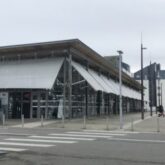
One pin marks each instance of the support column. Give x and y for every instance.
(103, 103)
(86, 99)
(116, 104)
(109, 107)
(46, 108)
(64, 90)
(102, 97)
(31, 105)
(22, 103)
(38, 108)
(86, 94)
(98, 100)
(70, 85)
(109, 99)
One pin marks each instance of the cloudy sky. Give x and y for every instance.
(104, 25)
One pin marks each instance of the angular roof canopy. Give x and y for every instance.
(30, 74)
(74, 46)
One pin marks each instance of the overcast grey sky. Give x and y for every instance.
(104, 25)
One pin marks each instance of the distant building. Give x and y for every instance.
(114, 60)
(154, 81)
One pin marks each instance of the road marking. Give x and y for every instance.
(38, 140)
(96, 133)
(12, 149)
(25, 144)
(137, 140)
(64, 138)
(75, 135)
(117, 131)
(17, 134)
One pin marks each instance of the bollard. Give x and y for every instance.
(107, 123)
(132, 125)
(63, 121)
(84, 125)
(158, 125)
(42, 121)
(3, 119)
(22, 118)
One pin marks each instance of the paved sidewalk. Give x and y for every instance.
(28, 123)
(100, 123)
(132, 122)
(33, 124)
(154, 124)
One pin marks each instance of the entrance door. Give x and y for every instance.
(26, 104)
(26, 109)
(15, 104)
(16, 114)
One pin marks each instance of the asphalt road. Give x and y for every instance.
(64, 147)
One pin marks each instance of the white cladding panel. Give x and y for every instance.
(112, 88)
(100, 81)
(30, 74)
(115, 86)
(87, 76)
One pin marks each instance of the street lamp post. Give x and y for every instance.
(142, 88)
(161, 94)
(159, 89)
(120, 82)
(150, 89)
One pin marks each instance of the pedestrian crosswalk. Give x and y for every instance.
(14, 142)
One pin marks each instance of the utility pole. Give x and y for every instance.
(158, 77)
(150, 89)
(142, 87)
(120, 82)
(161, 94)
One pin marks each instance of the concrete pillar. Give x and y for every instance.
(46, 108)
(64, 90)
(70, 85)
(38, 107)
(31, 105)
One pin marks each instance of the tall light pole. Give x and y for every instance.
(120, 93)
(159, 90)
(161, 94)
(142, 87)
(150, 89)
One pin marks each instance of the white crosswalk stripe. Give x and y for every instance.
(79, 135)
(97, 133)
(25, 144)
(16, 134)
(113, 132)
(38, 140)
(62, 138)
(12, 149)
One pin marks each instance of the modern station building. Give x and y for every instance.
(61, 78)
